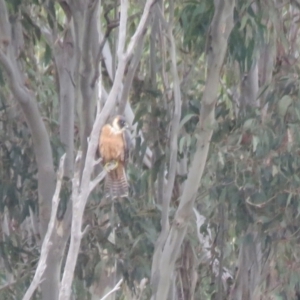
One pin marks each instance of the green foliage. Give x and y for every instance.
(247, 36)
(252, 170)
(18, 195)
(194, 19)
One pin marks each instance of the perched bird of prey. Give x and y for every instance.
(114, 150)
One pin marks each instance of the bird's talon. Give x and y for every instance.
(110, 166)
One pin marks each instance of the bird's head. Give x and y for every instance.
(119, 123)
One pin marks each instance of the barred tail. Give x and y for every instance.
(116, 184)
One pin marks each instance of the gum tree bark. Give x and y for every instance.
(249, 89)
(167, 249)
(64, 57)
(88, 52)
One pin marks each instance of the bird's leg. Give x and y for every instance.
(110, 166)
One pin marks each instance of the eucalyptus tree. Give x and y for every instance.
(210, 89)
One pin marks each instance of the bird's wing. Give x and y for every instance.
(103, 140)
(112, 146)
(127, 145)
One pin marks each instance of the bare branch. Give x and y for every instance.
(110, 25)
(5, 286)
(47, 240)
(128, 110)
(130, 75)
(140, 29)
(116, 288)
(81, 191)
(86, 230)
(97, 180)
(98, 161)
(111, 99)
(47, 34)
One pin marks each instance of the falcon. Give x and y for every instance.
(114, 150)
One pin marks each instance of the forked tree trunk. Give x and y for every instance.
(169, 243)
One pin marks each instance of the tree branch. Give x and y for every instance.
(140, 29)
(167, 193)
(97, 180)
(110, 25)
(123, 58)
(47, 240)
(76, 234)
(134, 62)
(116, 288)
(206, 244)
(90, 40)
(221, 27)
